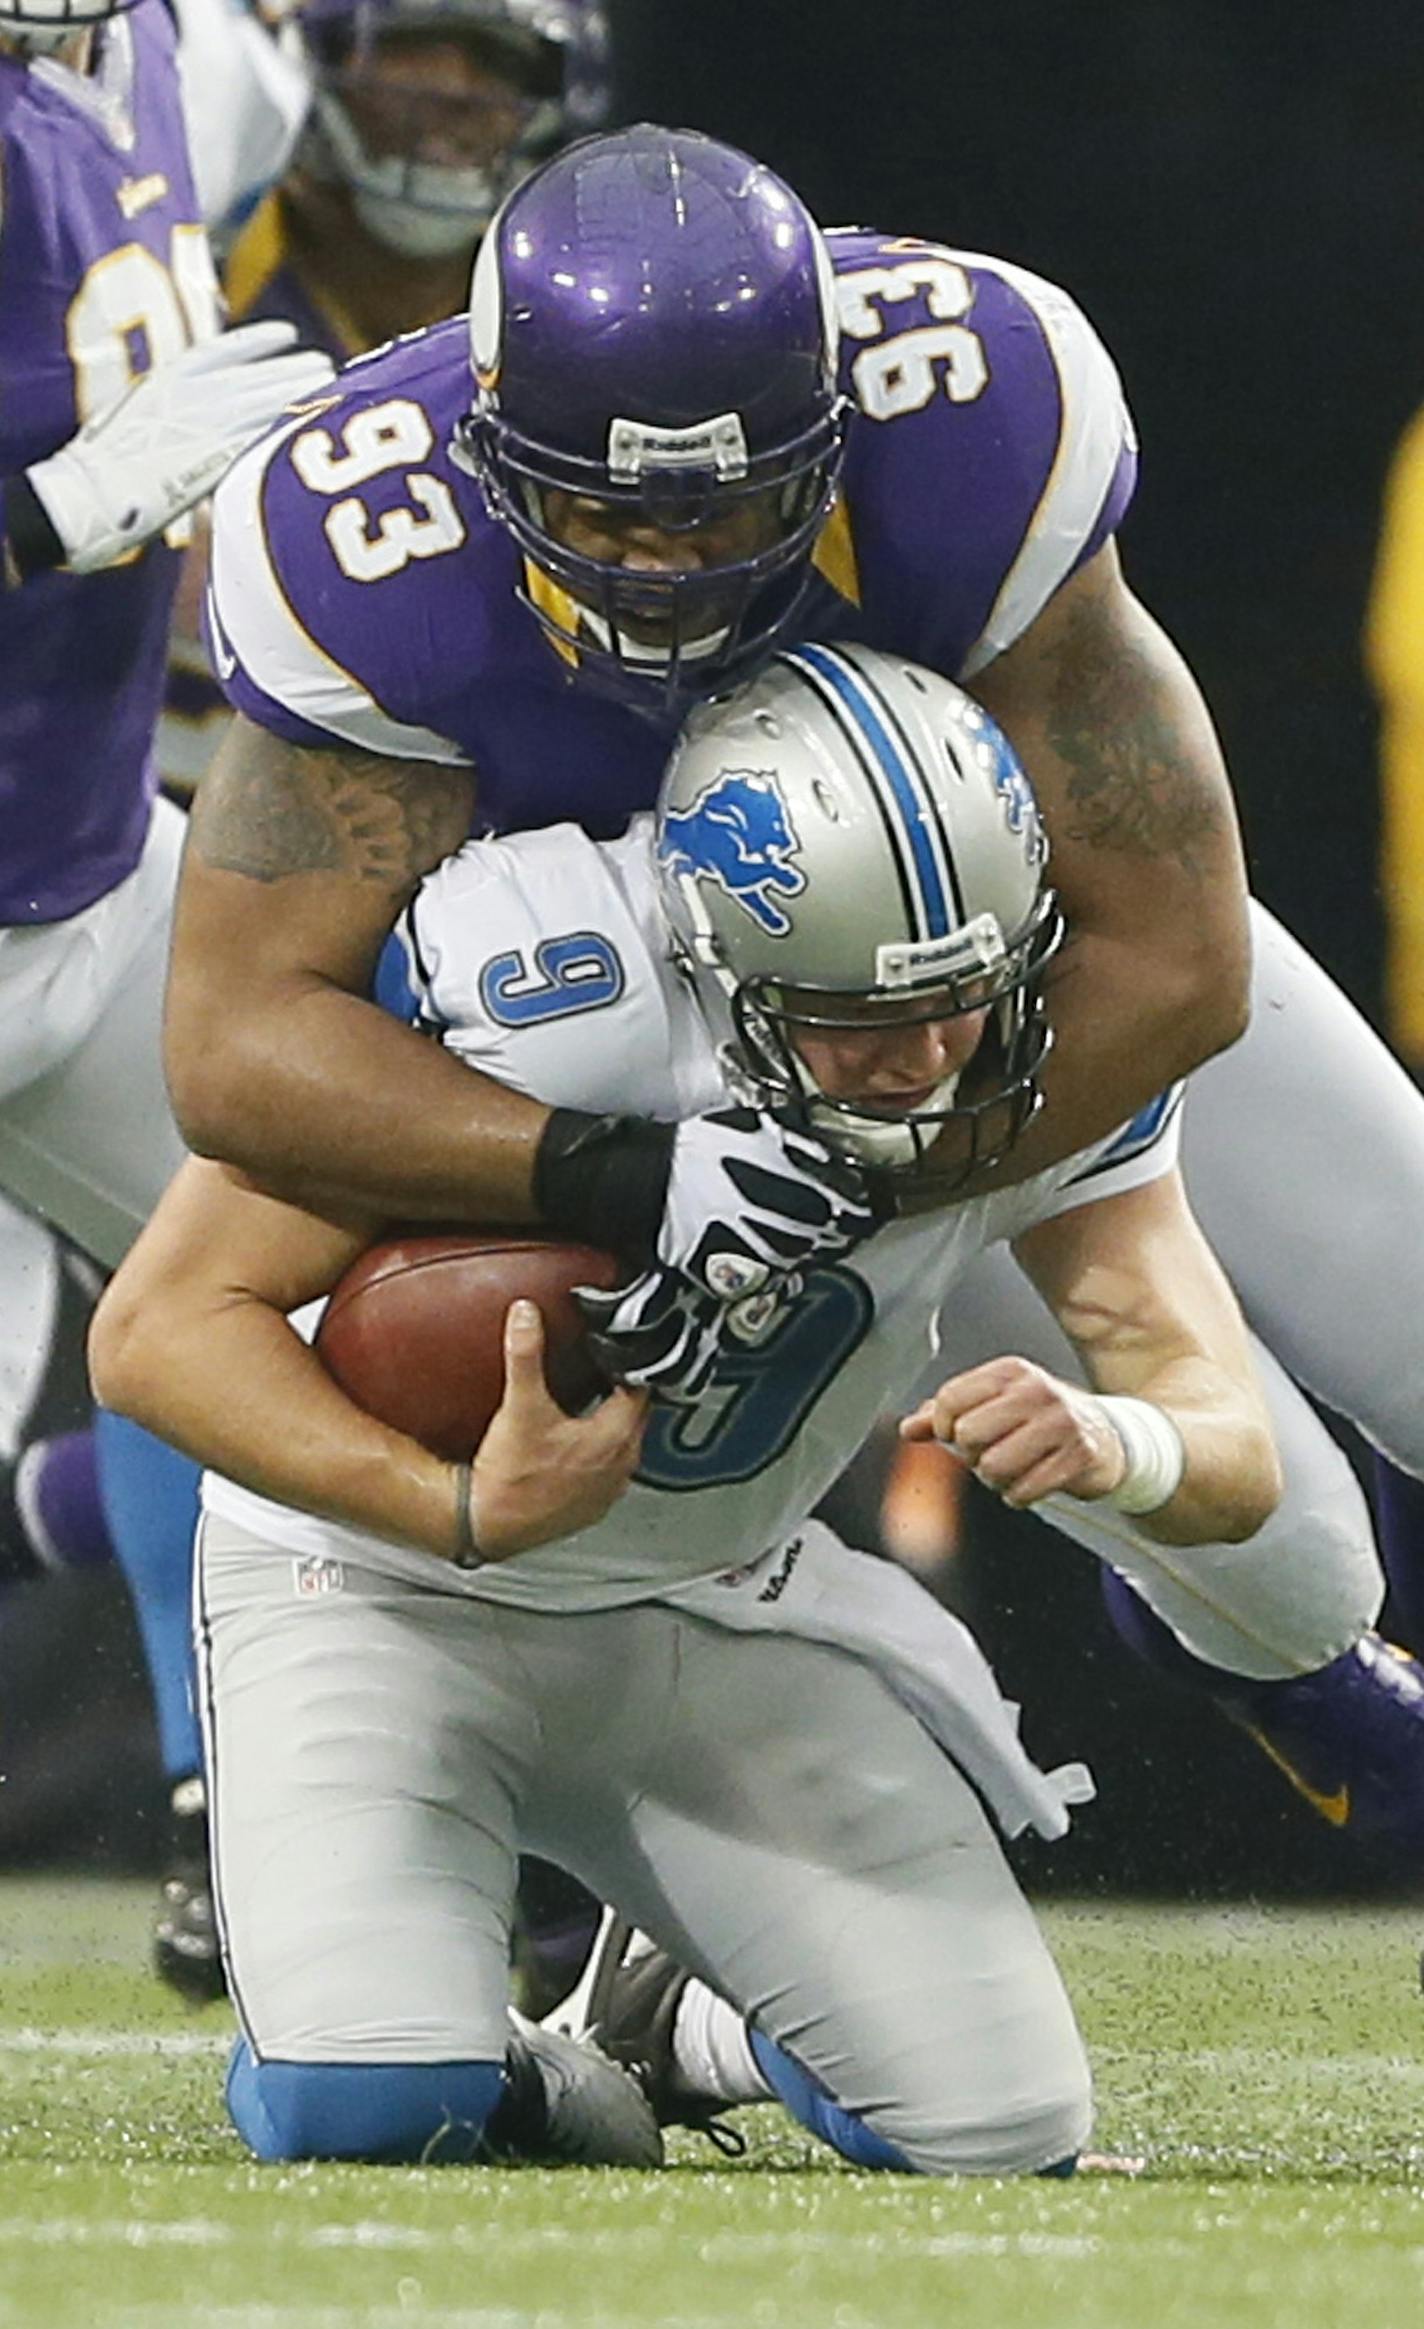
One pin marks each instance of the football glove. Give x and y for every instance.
(751, 1198)
(665, 1334)
(165, 443)
(658, 1334)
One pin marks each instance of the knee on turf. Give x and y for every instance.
(401, 2113)
(1022, 2129)
(1027, 2136)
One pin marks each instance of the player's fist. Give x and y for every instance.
(1024, 1432)
(659, 1333)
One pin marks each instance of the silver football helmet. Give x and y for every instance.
(849, 834)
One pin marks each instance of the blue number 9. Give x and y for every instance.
(758, 1399)
(578, 972)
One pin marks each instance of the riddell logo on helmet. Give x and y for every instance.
(738, 833)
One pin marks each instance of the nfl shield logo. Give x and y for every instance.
(314, 1574)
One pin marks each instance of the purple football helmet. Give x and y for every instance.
(429, 164)
(656, 417)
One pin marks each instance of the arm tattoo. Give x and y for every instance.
(269, 809)
(1134, 779)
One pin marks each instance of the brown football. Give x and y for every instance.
(414, 1331)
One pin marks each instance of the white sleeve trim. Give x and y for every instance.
(1096, 425)
(254, 621)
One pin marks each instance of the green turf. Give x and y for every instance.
(1270, 2065)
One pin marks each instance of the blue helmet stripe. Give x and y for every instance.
(900, 785)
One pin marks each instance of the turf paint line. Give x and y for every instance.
(105, 2045)
(409, 2314)
(718, 2247)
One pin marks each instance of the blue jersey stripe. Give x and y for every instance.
(400, 985)
(1138, 1135)
(898, 775)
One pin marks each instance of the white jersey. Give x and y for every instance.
(542, 960)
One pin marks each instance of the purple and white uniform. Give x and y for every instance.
(362, 594)
(104, 272)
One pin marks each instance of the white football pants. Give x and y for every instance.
(87, 1138)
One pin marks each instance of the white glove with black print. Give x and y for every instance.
(750, 1202)
(751, 1198)
(164, 444)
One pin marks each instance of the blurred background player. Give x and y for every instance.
(1394, 656)
(119, 409)
(51, 1513)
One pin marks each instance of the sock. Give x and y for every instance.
(808, 2101)
(151, 1499)
(1399, 1525)
(712, 2050)
(419, 2113)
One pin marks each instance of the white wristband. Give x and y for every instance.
(1156, 1458)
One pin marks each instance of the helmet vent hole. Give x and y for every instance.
(826, 801)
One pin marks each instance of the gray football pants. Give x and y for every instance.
(379, 1755)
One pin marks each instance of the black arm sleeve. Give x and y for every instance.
(31, 543)
(604, 1179)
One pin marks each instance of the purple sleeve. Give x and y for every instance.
(991, 452)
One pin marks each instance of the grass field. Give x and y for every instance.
(1269, 2065)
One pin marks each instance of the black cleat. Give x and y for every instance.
(626, 2004)
(567, 2105)
(185, 1939)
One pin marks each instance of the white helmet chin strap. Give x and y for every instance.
(44, 40)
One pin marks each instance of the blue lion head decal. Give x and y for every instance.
(739, 834)
(1016, 795)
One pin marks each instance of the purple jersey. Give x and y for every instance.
(104, 271)
(362, 595)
